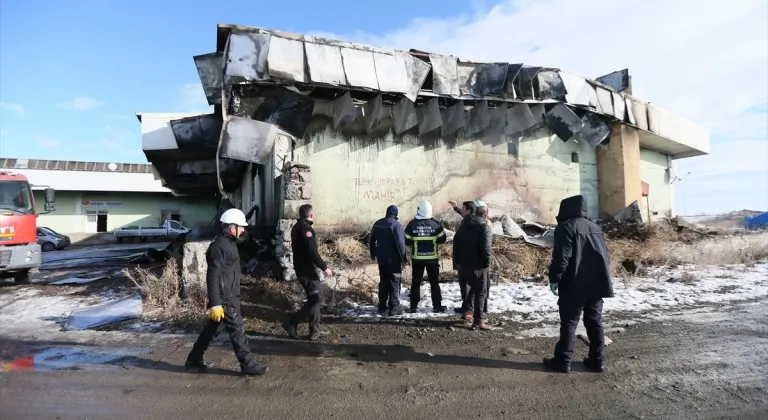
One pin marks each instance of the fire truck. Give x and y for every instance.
(20, 256)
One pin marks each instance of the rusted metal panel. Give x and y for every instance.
(286, 60)
(445, 78)
(519, 119)
(452, 119)
(604, 101)
(325, 64)
(619, 106)
(550, 84)
(209, 69)
(563, 122)
(594, 130)
(404, 116)
(359, 68)
(429, 116)
(247, 140)
(246, 56)
(478, 119)
(618, 80)
(481, 79)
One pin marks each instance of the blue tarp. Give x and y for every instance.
(758, 221)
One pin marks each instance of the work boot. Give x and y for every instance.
(316, 333)
(382, 311)
(593, 365)
(414, 310)
(440, 309)
(199, 365)
(557, 366)
(480, 325)
(395, 312)
(254, 369)
(458, 310)
(291, 330)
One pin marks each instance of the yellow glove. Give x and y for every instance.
(216, 313)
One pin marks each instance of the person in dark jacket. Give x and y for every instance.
(305, 259)
(424, 234)
(580, 275)
(387, 246)
(223, 281)
(466, 210)
(472, 255)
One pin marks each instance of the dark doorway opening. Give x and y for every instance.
(101, 223)
(176, 217)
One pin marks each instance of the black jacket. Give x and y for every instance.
(305, 254)
(472, 244)
(424, 235)
(387, 244)
(580, 260)
(223, 276)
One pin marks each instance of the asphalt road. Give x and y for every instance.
(701, 364)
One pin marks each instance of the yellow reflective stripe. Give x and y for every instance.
(440, 235)
(425, 238)
(407, 236)
(423, 257)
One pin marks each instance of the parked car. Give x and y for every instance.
(171, 228)
(50, 240)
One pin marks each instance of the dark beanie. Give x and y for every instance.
(392, 211)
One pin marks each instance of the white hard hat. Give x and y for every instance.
(425, 209)
(479, 203)
(233, 217)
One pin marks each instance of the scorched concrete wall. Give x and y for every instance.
(653, 167)
(354, 178)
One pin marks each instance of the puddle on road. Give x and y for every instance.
(68, 358)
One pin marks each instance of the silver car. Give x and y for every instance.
(50, 240)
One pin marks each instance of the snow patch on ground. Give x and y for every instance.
(106, 313)
(662, 288)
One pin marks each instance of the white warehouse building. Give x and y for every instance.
(97, 197)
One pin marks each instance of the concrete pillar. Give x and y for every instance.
(618, 170)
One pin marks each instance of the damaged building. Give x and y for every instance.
(353, 128)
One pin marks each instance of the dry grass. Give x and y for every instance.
(161, 294)
(345, 251)
(514, 259)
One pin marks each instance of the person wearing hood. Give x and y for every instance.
(472, 256)
(580, 275)
(223, 281)
(424, 234)
(387, 246)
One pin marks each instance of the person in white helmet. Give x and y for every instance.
(423, 234)
(223, 280)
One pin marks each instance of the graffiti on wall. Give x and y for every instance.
(388, 189)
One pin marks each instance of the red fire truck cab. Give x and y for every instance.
(20, 255)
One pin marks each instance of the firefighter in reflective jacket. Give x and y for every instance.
(423, 234)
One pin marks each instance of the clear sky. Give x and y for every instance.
(74, 73)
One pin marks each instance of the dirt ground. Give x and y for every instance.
(692, 364)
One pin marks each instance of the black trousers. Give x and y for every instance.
(390, 279)
(570, 312)
(233, 323)
(468, 292)
(433, 273)
(477, 297)
(311, 309)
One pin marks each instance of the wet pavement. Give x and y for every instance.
(711, 362)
